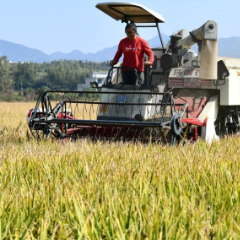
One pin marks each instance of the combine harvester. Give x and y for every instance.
(185, 96)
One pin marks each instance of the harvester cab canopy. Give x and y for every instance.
(130, 12)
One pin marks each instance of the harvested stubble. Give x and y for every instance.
(85, 190)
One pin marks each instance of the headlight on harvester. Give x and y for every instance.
(195, 63)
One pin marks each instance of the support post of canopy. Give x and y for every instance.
(160, 36)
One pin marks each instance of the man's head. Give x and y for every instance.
(131, 31)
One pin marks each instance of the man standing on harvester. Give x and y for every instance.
(133, 48)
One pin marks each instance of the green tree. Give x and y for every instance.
(6, 78)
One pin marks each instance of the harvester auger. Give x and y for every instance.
(185, 95)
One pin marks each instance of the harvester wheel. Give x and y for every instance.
(176, 128)
(47, 131)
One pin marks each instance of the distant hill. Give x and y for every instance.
(19, 53)
(103, 55)
(228, 47)
(155, 42)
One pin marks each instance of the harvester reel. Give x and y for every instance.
(70, 114)
(45, 131)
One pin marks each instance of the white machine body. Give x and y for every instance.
(128, 112)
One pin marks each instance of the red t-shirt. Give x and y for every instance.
(133, 53)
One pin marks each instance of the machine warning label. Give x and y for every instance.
(192, 83)
(188, 78)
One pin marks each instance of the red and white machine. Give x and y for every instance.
(186, 95)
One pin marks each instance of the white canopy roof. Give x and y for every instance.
(130, 12)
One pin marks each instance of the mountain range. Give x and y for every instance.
(228, 47)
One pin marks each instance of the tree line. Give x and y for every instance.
(24, 81)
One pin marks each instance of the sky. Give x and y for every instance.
(67, 25)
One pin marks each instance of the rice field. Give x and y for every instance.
(85, 190)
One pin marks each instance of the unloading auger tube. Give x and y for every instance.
(206, 60)
(70, 115)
